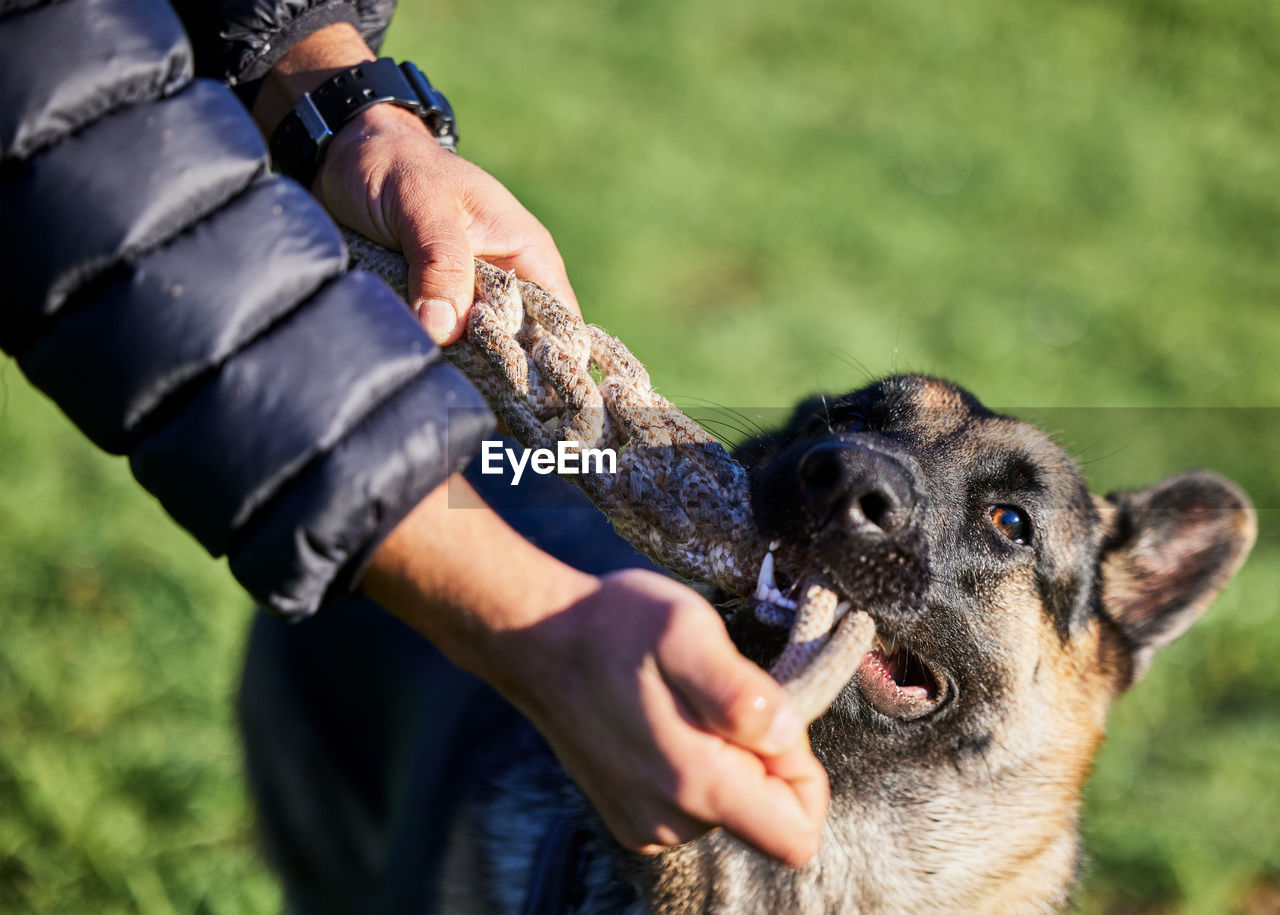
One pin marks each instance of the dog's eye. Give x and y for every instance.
(848, 421)
(1011, 522)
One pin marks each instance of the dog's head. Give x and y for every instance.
(1012, 605)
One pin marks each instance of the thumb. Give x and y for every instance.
(442, 276)
(732, 696)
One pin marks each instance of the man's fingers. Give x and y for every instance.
(781, 816)
(730, 695)
(676, 724)
(672, 829)
(442, 281)
(540, 264)
(777, 805)
(546, 268)
(800, 769)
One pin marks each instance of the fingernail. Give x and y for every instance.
(441, 319)
(785, 730)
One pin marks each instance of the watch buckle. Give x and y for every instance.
(314, 123)
(436, 110)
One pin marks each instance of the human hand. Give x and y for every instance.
(386, 177)
(667, 729)
(632, 679)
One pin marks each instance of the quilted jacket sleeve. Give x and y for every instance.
(188, 309)
(238, 41)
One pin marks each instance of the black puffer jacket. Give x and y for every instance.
(193, 312)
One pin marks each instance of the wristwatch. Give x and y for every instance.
(299, 142)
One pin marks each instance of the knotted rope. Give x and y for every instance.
(677, 495)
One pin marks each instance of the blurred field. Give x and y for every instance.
(1073, 209)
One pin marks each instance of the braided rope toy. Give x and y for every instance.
(677, 495)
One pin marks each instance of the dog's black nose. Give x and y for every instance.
(846, 485)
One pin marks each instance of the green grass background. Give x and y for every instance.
(1072, 208)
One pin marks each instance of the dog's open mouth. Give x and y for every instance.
(895, 680)
(900, 683)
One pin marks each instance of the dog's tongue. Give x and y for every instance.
(894, 666)
(881, 677)
(883, 673)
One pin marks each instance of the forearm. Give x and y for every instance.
(304, 67)
(455, 572)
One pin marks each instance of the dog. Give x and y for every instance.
(1012, 608)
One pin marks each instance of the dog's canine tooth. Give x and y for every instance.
(764, 582)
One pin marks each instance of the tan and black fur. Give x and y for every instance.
(968, 802)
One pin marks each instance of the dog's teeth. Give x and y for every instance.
(767, 589)
(841, 609)
(774, 544)
(775, 596)
(764, 583)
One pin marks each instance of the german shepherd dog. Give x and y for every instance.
(1012, 608)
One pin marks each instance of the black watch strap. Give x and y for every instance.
(299, 142)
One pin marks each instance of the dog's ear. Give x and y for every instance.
(1172, 547)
